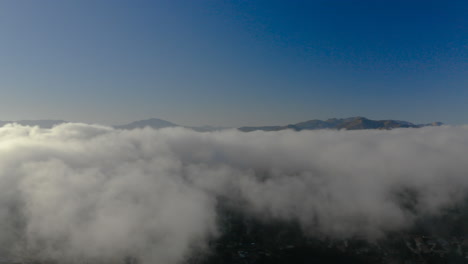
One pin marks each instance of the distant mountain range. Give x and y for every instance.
(153, 123)
(352, 123)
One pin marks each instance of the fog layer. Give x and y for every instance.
(86, 192)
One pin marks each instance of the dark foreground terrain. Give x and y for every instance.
(247, 240)
(442, 239)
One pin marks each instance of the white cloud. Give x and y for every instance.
(91, 192)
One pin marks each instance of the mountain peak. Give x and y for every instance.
(152, 122)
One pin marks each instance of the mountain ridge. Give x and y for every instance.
(152, 122)
(350, 123)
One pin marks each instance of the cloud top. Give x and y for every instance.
(92, 192)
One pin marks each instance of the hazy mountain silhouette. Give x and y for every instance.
(351, 123)
(153, 123)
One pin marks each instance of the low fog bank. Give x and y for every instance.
(86, 192)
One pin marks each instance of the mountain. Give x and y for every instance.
(39, 123)
(153, 123)
(352, 123)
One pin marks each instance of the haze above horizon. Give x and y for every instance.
(233, 63)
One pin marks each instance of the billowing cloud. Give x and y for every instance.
(91, 192)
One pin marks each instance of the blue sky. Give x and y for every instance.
(233, 63)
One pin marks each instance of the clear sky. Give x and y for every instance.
(233, 63)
